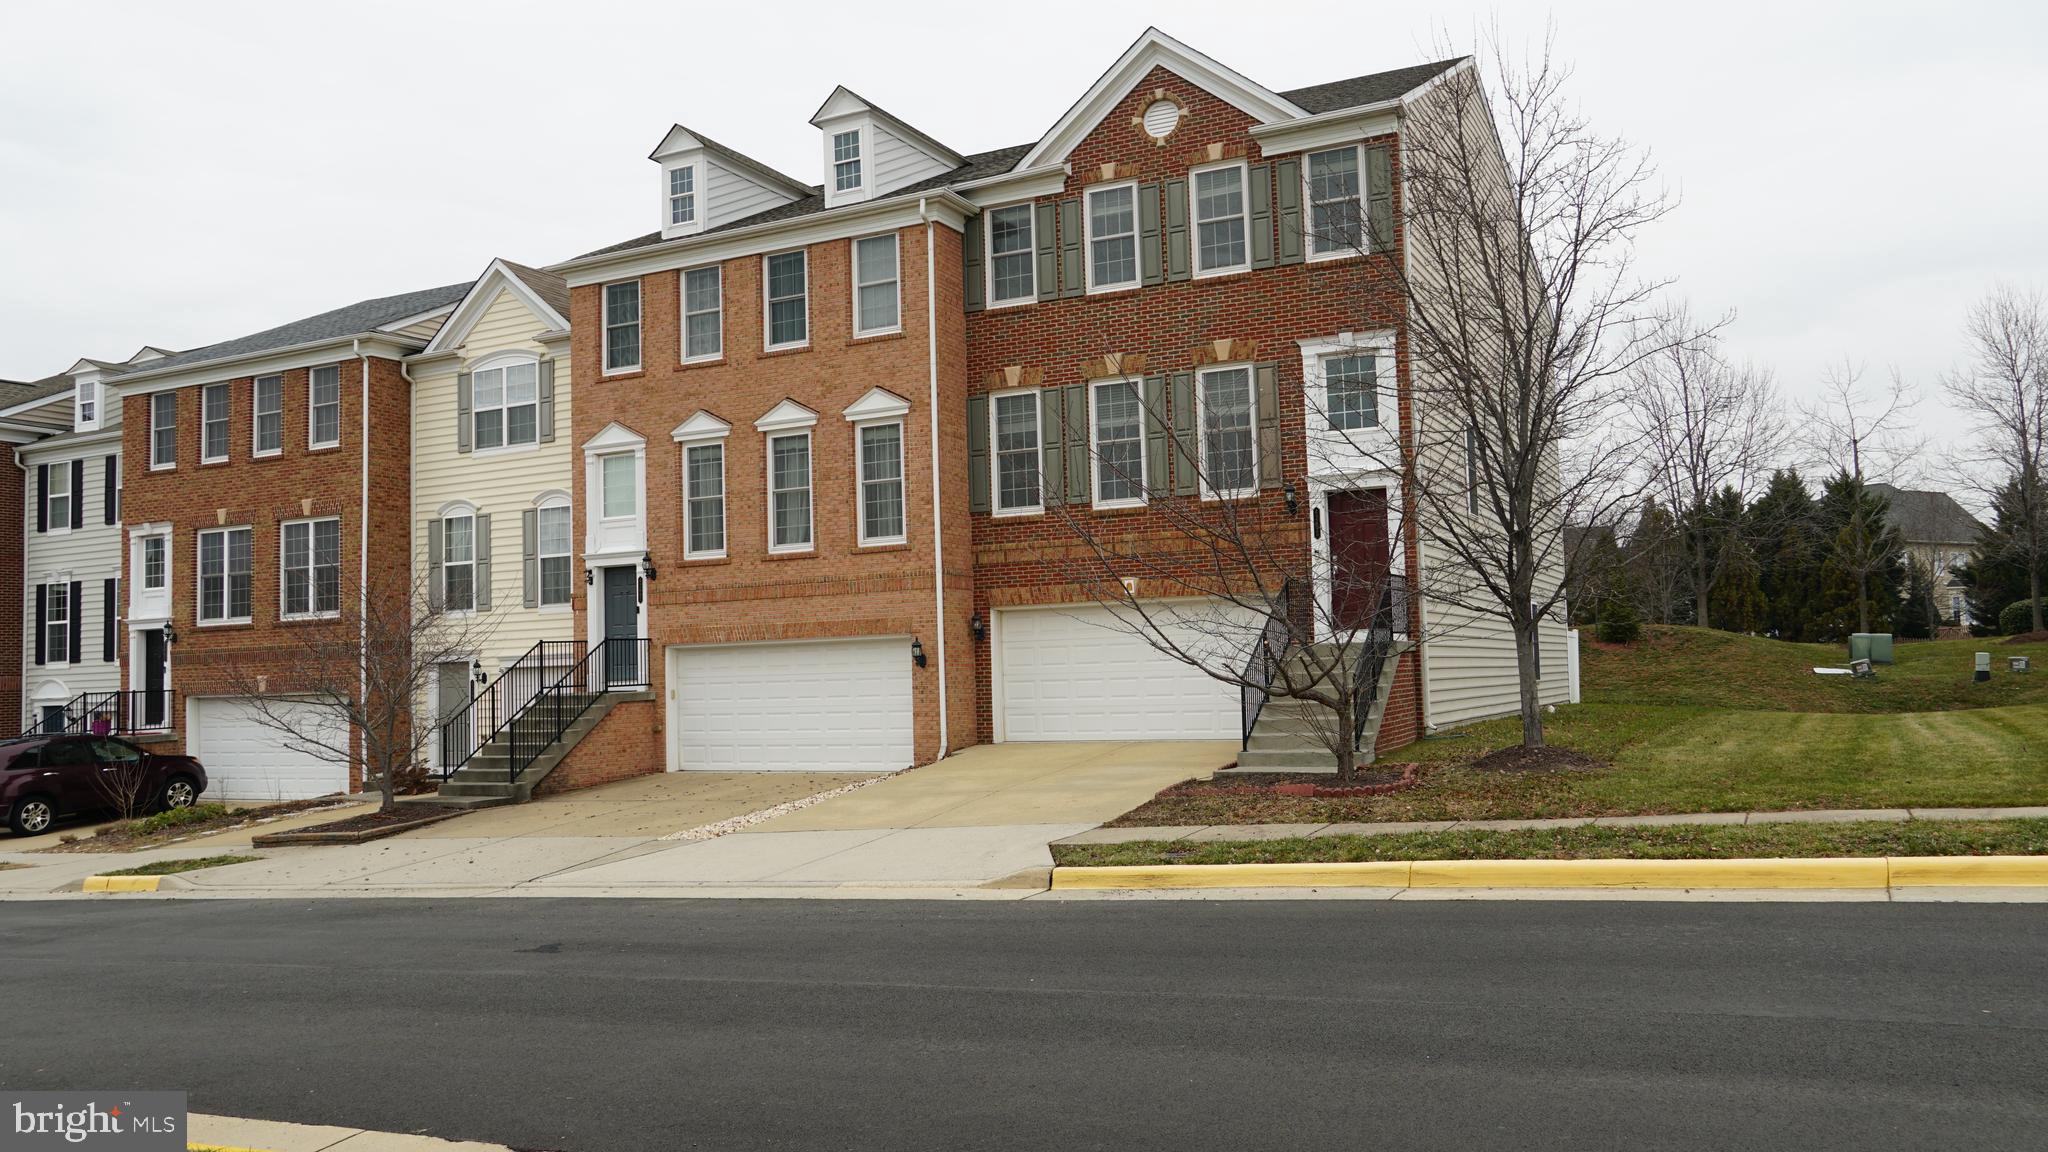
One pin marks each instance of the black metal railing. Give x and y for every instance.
(1374, 642)
(505, 706)
(105, 713)
(609, 666)
(1274, 644)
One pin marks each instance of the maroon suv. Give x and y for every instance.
(48, 776)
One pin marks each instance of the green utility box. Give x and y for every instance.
(1875, 647)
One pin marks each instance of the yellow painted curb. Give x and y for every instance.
(122, 883)
(1813, 872)
(1919, 871)
(1366, 875)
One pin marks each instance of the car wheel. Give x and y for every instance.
(180, 792)
(32, 816)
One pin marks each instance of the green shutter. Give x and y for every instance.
(1047, 242)
(1287, 175)
(1184, 452)
(1052, 452)
(483, 563)
(434, 565)
(972, 284)
(1261, 200)
(977, 454)
(1077, 443)
(462, 405)
(1148, 235)
(1267, 377)
(547, 401)
(529, 557)
(1072, 283)
(1379, 196)
(1176, 230)
(1155, 436)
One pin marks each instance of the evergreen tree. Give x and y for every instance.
(1656, 564)
(1918, 616)
(1735, 601)
(1865, 561)
(1784, 522)
(1997, 572)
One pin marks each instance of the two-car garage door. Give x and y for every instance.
(816, 706)
(245, 760)
(1079, 673)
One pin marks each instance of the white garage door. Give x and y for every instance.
(826, 706)
(1075, 673)
(246, 761)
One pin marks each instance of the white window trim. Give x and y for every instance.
(87, 394)
(156, 465)
(810, 487)
(552, 502)
(163, 540)
(858, 189)
(1251, 375)
(256, 449)
(199, 576)
(669, 196)
(1244, 214)
(604, 327)
(313, 443)
(227, 391)
(62, 581)
(1308, 208)
(495, 363)
(456, 510)
(995, 455)
(767, 304)
(312, 593)
(55, 525)
(988, 255)
(860, 515)
(896, 279)
(683, 314)
(1095, 499)
(724, 496)
(639, 500)
(1088, 246)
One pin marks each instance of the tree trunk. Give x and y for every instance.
(1863, 602)
(1346, 753)
(2034, 590)
(1525, 670)
(1700, 580)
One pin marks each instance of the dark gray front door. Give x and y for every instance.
(457, 717)
(622, 623)
(155, 656)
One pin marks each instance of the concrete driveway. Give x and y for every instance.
(645, 807)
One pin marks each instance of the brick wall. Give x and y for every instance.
(617, 749)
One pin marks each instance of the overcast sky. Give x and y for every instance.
(1852, 175)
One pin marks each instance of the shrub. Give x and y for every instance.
(1619, 623)
(2018, 617)
(178, 818)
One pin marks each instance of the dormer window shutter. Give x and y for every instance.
(78, 493)
(462, 411)
(547, 401)
(973, 284)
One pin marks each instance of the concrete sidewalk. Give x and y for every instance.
(1214, 832)
(238, 1135)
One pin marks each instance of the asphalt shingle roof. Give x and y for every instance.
(13, 392)
(1370, 89)
(1929, 517)
(362, 316)
(551, 288)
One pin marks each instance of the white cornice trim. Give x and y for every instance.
(55, 445)
(478, 300)
(383, 345)
(409, 321)
(1023, 184)
(1344, 126)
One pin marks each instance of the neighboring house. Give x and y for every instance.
(771, 384)
(1939, 535)
(493, 467)
(268, 477)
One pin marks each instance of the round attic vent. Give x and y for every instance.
(1160, 118)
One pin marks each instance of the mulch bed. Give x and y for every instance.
(121, 837)
(1378, 780)
(1520, 759)
(365, 826)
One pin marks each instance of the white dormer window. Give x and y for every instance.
(682, 196)
(88, 405)
(846, 161)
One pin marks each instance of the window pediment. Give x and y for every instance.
(702, 426)
(878, 404)
(787, 415)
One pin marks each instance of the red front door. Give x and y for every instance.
(1358, 556)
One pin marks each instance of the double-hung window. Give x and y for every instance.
(789, 492)
(622, 326)
(267, 434)
(1230, 453)
(1336, 213)
(1112, 237)
(458, 563)
(1118, 424)
(312, 568)
(846, 160)
(506, 404)
(213, 423)
(88, 414)
(703, 314)
(704, 500)
(224, 576)
(57, 609)
(59, 496)
(552, 526)
(682, 195)
(1351, 391)
(1016, 435)
(619, 475)
(1011, 269)
(876, 307)
(325, 411)
(163, 430)
(788, 300)
(1219, 220)
(881, 482)
(155, 558)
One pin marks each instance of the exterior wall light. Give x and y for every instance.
(977, 627)
(647, 564)
(1293, 505)
(917, 651)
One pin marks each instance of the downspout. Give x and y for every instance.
(363, 549)
(931, 344)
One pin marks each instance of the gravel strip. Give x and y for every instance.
(735, 823)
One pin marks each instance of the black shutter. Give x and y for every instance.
(42, 622)
(77, 619)
(110, 498)
(42, 504)
(78, 493)
(107, 622)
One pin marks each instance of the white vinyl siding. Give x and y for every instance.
(90, 554)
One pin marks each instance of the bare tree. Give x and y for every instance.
(2004, 392)
(1862, 433)
(345, 685)
(1705, 426)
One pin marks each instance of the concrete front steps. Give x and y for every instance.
(1288, 736)
(487, 779)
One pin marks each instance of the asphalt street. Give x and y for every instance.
(597, 1025)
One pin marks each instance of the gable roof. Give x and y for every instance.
(544, 294)
(843, 95)
(1374, 88)
(681, 139)
(1929, 517)
(14, 393)
(355, 319)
